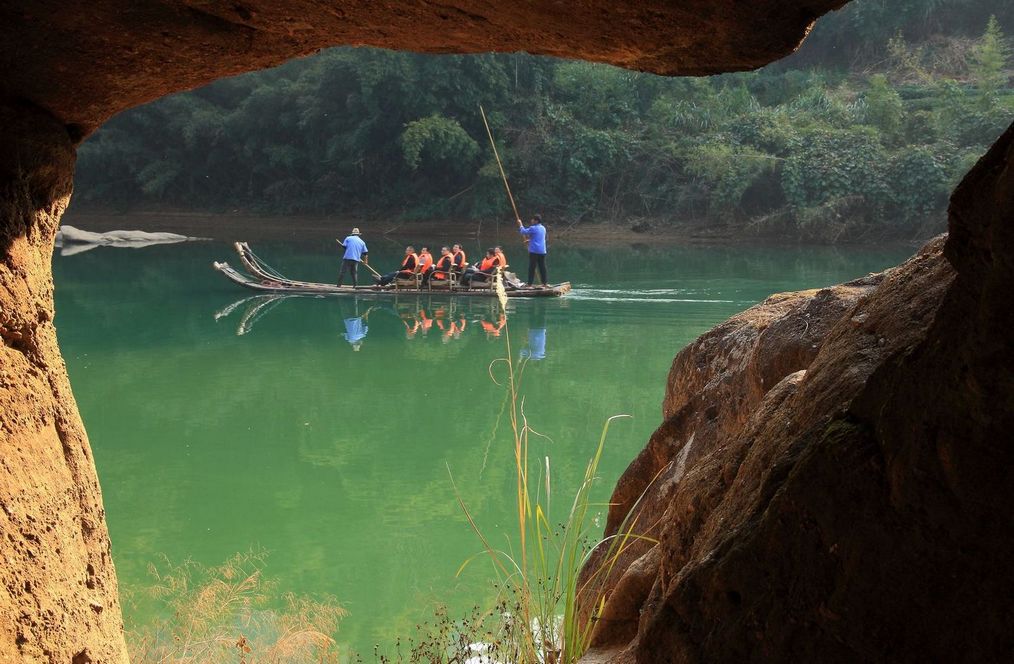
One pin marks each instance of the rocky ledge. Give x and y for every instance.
(830, 482)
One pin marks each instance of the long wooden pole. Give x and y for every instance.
(379, 276)
(499, 163)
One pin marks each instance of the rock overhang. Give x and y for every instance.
(83, 62)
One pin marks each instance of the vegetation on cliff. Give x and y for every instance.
(851, 138)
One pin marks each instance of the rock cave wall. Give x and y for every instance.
(831, 478)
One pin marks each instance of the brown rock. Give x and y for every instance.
(857, 510)
(86, 61)
(55, 565)
(716, 383)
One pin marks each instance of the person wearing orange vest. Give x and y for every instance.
(489, 265)
(425, 263)
(460, 260)
(500, 255)
(442, 268)
(407, 268)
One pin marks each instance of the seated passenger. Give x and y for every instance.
(425, 264)
(503, 259)
(484, 272)
(460, 260)
(442, 268)
(406, 270)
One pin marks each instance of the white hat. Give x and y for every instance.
(355, 231)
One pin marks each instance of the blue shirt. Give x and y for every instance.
(354, 248)
(536, 234)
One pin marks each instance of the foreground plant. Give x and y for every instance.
(228, 614)
(537, 617)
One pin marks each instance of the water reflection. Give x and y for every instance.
(356, 328)
(419, 317)
(494, 329)
(257, 307)
(536, 348)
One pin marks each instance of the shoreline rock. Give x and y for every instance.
(71, 240)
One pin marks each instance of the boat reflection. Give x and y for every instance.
(257, 307)
(420, 317)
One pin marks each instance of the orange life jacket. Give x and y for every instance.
(488, 263)
(415, 263)
(443, 263)
(425, 261)
(503, 259)
(459, 263)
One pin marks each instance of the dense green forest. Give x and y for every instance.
(860, 135)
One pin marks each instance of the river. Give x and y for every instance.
(220, 425)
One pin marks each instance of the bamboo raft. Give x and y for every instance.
(263, 278)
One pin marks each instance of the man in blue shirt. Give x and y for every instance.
(536, 234)
(355, 251)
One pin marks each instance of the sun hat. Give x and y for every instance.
(355, 231)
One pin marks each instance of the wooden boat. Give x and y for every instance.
(262, 277)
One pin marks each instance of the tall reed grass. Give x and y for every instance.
(539, 570)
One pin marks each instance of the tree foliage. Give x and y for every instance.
(356, 130)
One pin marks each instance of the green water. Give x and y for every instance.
(264, 428)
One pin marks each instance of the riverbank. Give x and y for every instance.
(252, 227)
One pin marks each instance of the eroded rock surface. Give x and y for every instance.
(834, 487)
(85, 61)
(58, 594)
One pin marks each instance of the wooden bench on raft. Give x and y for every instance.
(412, 281)
(449, 282)
(488, 281)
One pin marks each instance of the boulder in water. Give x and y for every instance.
(73, 240)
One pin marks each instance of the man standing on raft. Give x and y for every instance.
(355, 252)
(536, 235)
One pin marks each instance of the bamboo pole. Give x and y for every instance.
(499, 163)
